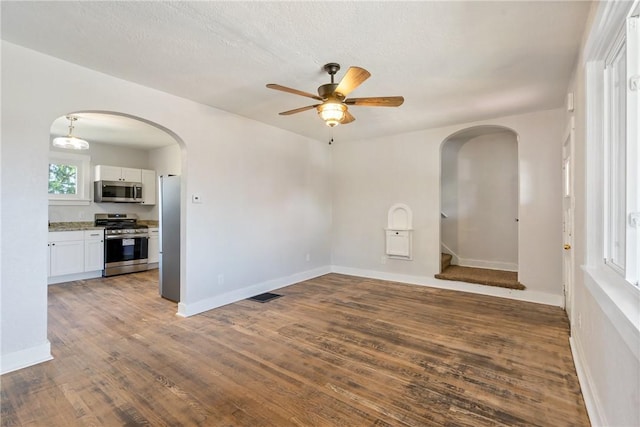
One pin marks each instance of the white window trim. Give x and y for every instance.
(615, 295)
(612, 231)
(83, 197)
(632, 271)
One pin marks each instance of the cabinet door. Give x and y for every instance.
(398, 243)
(108, 173)
(154, 245)
(94, 251)
(67, 257)
(131, 175)
(148, 187)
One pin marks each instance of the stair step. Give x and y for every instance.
(445, 261)
(481, 276)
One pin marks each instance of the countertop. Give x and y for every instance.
(73, 226)
(149, 223)
(89, 225)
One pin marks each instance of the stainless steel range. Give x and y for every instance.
(126, 243)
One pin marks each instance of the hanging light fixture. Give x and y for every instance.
(332, 112)
(70, 141)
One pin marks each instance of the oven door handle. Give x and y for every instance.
(126, 236)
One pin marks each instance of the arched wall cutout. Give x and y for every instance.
(168, 131)
(479, 197)
(400, 217)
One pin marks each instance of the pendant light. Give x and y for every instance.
(70, 141)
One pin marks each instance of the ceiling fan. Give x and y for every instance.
(333, 108)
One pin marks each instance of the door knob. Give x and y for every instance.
(567, 246)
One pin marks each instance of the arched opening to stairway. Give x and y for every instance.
(479, 206)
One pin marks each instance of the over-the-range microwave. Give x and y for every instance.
(117, 191)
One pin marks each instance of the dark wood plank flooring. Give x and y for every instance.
(332, 351)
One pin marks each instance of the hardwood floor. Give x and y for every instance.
(332, 351)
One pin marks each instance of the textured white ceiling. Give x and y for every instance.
(454, 62)
(113, 129)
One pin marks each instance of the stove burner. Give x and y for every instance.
(120, 224)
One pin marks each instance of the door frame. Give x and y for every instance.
(568, 217)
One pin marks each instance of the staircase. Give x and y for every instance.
(480, 276)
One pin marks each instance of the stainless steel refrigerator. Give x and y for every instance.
(169, 216)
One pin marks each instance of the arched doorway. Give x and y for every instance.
(479, 200)
(116, 141)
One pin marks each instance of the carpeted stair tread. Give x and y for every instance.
(482, 276)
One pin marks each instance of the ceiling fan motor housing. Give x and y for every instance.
(327, 90)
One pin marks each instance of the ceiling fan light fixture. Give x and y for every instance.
(70, 141)
(332, 113)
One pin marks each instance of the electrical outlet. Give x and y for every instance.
(220, 279)
(383, 259)
(308, 257)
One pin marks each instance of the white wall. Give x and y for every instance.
(105, 154)
(265, 191)
(605, 333)
(372, 175)
(479, 195)
(166, 160)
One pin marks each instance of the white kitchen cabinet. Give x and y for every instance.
(117, 173)
(66, 253)
(75, 255)
(93, 250)
(148, 187)
(154, 245)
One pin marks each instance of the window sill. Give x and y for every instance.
(619, 300)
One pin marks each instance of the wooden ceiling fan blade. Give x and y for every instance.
(354, 78)
(293, 91)
(379, 101)
(348, 118)
(298, 110)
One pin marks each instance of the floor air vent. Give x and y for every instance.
(266, 297)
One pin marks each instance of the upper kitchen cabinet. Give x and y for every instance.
(117, 173)
(148, 187)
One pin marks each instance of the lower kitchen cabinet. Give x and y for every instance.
(154, 246)
(75, 255)
(93, 250)
(66, 253)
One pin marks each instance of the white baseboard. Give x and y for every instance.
(590, 398)
(491, 265)
(72, 277)
(524, 295)
(477, 263)
(186, 310)
(25, 358)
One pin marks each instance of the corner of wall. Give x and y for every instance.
(25, 358)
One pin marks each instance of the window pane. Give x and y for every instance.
(617, 142)
(63, 179)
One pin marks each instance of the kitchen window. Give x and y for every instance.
(69, 180)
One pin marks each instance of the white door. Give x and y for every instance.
(567, 220)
